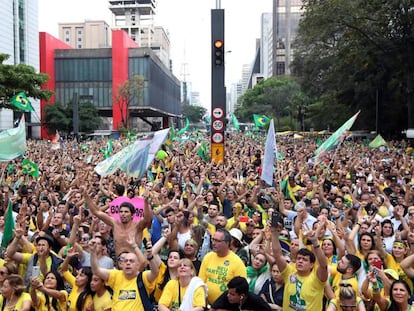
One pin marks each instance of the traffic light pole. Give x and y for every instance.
(218, 89)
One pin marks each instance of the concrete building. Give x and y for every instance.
(96, 75)
(19, 39)
(86, 35)
(136, 18)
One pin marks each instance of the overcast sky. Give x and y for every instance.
(188, 23)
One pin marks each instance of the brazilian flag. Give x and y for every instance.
(260, 120)
(30, 168)
(21, 102)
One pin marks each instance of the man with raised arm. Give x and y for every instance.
(304, 285)
(126, 295)
(125, 229)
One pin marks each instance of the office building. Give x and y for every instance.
(19, 38)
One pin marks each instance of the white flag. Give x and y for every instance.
(269, 155)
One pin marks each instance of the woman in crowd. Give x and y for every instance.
(7, 269)
(13, 297)
(185, 293)
(400, 294)
(49, 295)
(257, 273)
(80, 298)
(101, 296)
(167, 272)
(347, 299)
(190, 251)
(272, 290)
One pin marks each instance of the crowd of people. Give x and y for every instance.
(338, 235)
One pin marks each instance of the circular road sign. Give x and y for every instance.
(218, 125)
(218, 112)
(217, 138)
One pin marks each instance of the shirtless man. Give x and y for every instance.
(124, 230)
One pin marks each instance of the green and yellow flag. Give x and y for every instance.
(377, 142)
(235, 122)
(30, 168)
(21, 102)
(260, 120)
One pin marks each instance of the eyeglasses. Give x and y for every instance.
(216, 240)
(3, 272)
(84, 239)
(284, 235)
(410, 214)
(250, 225)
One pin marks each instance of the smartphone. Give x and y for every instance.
(144, 240)
(276, 219)
(377, 264)
(35, 271)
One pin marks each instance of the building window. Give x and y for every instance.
(67, 32)
(79, 32)
(79, 46)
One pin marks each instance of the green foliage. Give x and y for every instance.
(276, 98)
(194, 113)
(351, 53)
(60, 117)
(20, 78)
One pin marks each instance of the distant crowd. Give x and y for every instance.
(197, 235)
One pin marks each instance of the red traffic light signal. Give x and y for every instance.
(218, 52)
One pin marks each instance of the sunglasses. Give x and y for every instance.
(3, 272)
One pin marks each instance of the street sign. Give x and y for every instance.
(217, 153)
(217, 138)
(218, 113)
(218, 125)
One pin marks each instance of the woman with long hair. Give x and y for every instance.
(400, 294)
(13, 296)
(187, 292)
(49, 295)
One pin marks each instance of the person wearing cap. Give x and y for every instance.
(44, 257)
(236, 245)
(220, 265)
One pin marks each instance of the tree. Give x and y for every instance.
(20, 78)
(273, 97)
(60, 117)
(358, 55)
(129, 93)
(194, 113)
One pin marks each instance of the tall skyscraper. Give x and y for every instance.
(19, 38)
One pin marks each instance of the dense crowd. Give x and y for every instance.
(192, 234)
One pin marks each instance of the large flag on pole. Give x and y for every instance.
(336, 138)
(13, 142)
(269, 155)
(21, 102)
(134, 159)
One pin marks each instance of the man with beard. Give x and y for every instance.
(346, 269)
(125, 229)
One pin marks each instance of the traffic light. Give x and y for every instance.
(218, 52)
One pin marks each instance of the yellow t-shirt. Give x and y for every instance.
(169, 297)
(103, 302)
(159, 280)
(337, 278)
(394, 265)
(74, 294)
(302, 292)
(19, 304)
(41, 302)
(217, 271)
(125, 292)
